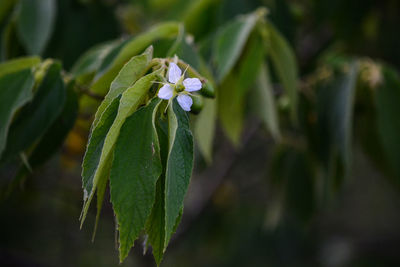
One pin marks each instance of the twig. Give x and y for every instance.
(86, 91)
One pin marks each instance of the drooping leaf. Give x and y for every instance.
(230, 42)
(264, 103)
(15, 91)
(179, 166)
(35, 23)
(127, 76)
(35, 118)
(387, 106)
(204, 129)
(230, 109)
(18, 64)
(155, 225)
(132, 48)
(5, 8)
(54, 137)
(294, 175)
(95, 146)
(335, 119)
(134, 173)
(130, 101)
(234, 89)
(285, 65)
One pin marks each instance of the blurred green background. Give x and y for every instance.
(236, 212)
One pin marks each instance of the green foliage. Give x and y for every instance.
(387, 96)
(264, 103)
(230, 42)
(35, 23)
(18, 64)
(143, 146)
(179, 166)
(284, 61)
(15, 91)
(36, 117)
(134, 173)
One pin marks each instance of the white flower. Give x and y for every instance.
(179, 86)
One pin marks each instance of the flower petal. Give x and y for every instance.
(185, 102)
(174, 73)
(192, 84)
(165, 92)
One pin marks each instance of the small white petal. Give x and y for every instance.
(192, 84)
(174, 73)
(185, 102)
(165, 92)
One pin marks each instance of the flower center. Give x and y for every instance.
(179, 87)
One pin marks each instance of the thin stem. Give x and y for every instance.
(86, 91)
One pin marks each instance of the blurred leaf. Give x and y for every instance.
(200, 15)
(230, 109)
(92, 59)
(15, 91)
(18, 64)
(335, 119)
(5, 8)
(35, 118)
(102, 153)
(233, 91)
(387, 106)
(54, 137)
(134, 173)
(109, 56)
(179, 166)
(285, 65)
(204, 129)
(127, 76)
(265, 103)
(132, 48)
(294, 175)
(230, 42)
(35, 23)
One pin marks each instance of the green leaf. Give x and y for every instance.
(264, 103)
(18, 64)
(53, 139)
(92, 59)
(132, 48)
(335, 105)
(204, 129)
(230, 42)
(35, 118)
(294, 174)
(5, 8)
(128, 75)
(130, 101)
(134, 173)
(285, 65)
(95, 146)
(179, 166)
(234, 89)
(387, 107)
(155, 225)
(35, 23)
(15, 91)
(230, 108)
